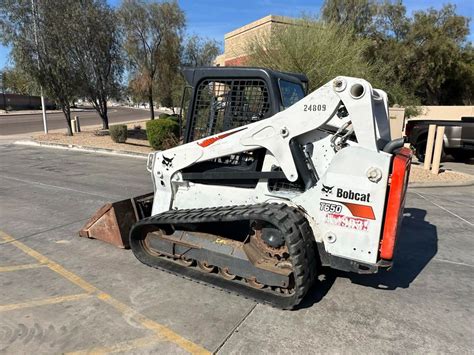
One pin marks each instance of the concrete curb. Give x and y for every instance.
(79, 148)
(440, 184)
(13, 114)
(48, 112)
(53, 112)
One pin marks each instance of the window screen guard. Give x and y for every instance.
(223, 104)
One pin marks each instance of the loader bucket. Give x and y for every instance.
(112, 222)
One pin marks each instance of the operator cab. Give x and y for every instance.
(224, 98)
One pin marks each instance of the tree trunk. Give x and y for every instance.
(100, 105)
(104, 115)
(150, 101)
(67, 114)
(431, 95)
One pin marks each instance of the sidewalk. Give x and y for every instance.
(26, 112)
(88, 140)
(32, 136)
(4, 113)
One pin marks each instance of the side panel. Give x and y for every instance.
(347, 207)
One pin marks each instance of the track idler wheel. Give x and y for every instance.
(254, 283)
(185, 261)
(224, 272)
(204, 266)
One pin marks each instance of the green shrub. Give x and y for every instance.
(163, 115)
(174, 117)
(162, 133)
(118, 133)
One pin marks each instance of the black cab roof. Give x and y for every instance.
(195, 75)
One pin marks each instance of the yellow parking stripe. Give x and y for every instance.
(159, 329)
(51, 264)
(119, 347)
(20, 267)
(43, 302)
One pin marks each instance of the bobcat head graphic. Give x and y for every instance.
(167, 161)
(327, 189)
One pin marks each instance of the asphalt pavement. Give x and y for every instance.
(15, 124)
(61, 293)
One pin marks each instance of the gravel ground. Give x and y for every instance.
(418, 174)
(136, 141)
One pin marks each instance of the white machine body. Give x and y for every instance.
(345, 207)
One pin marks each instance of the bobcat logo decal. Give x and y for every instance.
(327, 189)
(167, 162)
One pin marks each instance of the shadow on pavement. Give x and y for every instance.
(137, 132)
(417, 244)
(321, 287)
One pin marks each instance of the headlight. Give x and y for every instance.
(149, 162)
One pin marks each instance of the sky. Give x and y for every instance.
(214, 18)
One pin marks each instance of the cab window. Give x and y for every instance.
(290, 92)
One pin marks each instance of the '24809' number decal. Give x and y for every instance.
(330, 207)
(314, 107)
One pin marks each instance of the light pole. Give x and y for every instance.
(3, 92)
(43, 108)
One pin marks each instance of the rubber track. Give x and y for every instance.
(290, 221)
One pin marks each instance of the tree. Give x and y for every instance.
(97, 54)
(147, 27)
(196, 52)
(437, 43)
(458, 88)
(427, 53)
(390, 21)
(40, 35)
(168, 71)
(138, 87)
(199, 52)
(322, 51)
(355, 14)
(16, 81)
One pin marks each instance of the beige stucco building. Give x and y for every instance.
(236, 42)
(450, 113)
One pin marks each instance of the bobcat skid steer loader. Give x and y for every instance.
(269, 185)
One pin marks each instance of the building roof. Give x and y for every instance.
(258, 23)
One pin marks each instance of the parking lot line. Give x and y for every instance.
(120, 347)
(444, 209)
(43, 302)
(20, 267)
(159, 329)
(51, 264)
